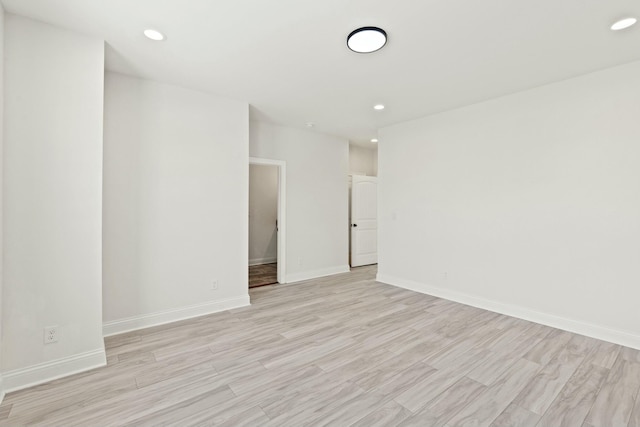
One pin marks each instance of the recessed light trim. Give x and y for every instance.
(378, 107)
(623, 24)
(374, 140)
(154, 35)
(367, 39)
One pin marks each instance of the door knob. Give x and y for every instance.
(354, 225)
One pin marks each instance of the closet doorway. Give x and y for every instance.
(266, 222)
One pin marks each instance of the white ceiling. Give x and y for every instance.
(289, 60)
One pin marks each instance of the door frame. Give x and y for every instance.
(282, 212)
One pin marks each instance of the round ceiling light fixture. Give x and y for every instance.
(378, 107)
(374, 140)
(623, 23)
(367, 39)
(153, 34)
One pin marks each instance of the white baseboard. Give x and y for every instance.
(1, 389)
(260, 261)
(19, 379)
(624, 338)
(116, 327)
(314, 274)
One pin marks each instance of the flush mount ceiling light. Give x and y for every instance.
(378, 107)
(623, 23)
(153, 34)
(367, 39)
(374, 140)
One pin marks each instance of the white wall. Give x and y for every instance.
(53, 105)
(363, 161)
(1, 169)
(175, 203)
(317, 210)
(527, 204)
(375, 161)
(263, 214)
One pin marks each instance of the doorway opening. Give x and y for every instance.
(266, 222)
(363, 205)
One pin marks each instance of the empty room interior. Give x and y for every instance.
(320, 213)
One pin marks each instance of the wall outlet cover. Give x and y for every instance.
(50, 334)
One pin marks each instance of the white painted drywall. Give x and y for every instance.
(175, 199)
(53, 108)
(317, 210)
(375, 162)
(531, 200)
(1, 169)
(363, 161)
(263, 214)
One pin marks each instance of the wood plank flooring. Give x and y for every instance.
(345, 351)
(263, 274)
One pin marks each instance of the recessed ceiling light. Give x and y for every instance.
(378, 107)
(374, 140)
(367, 39)
(154, 34)
(623, 23)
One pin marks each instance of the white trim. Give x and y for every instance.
(282, 212)
(314, 274)
(1, 389)
(624, 338)
(134, 323)
(19, 379)
(260, 261)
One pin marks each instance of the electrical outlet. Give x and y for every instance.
(50, 334)
(214, 285)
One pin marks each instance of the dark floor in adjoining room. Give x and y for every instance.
(263, 274)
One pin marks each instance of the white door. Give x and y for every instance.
(364, 220)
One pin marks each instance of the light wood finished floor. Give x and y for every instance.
(345, 351)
